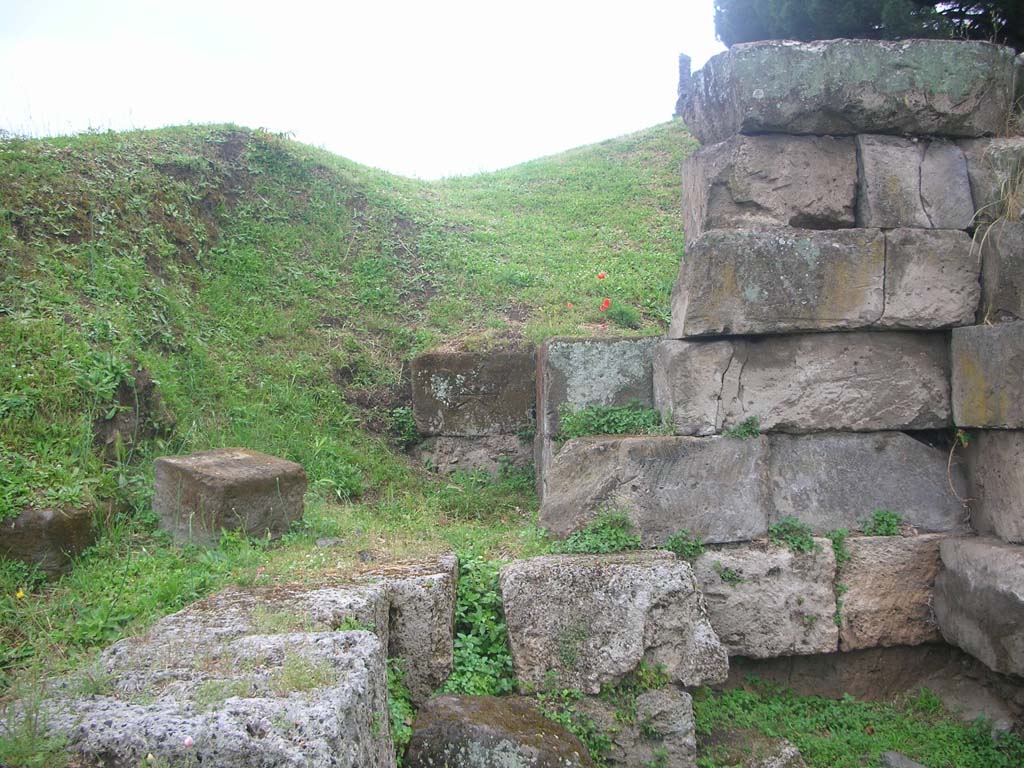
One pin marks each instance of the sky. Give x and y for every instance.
(428, 89)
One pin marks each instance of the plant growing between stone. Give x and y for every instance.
(632, 419)
(842, 555)
(793, 534)
(400, 708)
(749, 427)
(726, 574)
(610, 531)
(882, 523)
(685, 545)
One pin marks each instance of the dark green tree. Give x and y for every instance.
(740, 21)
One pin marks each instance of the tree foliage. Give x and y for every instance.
(741, 21)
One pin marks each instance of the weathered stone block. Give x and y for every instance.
(995, 472)
(1002, 271)
(805, 383)
(765, 600)
(779, 281)
(486, 732)
(757, 182)
(987, 387)
(489, 453)
(199, 495)
(836, 480)
(931, 279)
(835, 87)
(580, 621)
(576, 373)
(890, 582)
(473, 393)
(979, 600)
(912, 183)
(715, 487)
(47, 538)
(994, 167)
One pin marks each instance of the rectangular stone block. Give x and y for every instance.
(912, 183)
(715, 487)
(758, 182)
(474, 393)
(995, 473)
(889, 587)
(231, 489)
(766, 600)
(994, 168)
(988, 388)
(837, 480)
(979, 601)
(805, 383)
(1002, 271)
(487, 453)
(576, 373)
(841, 87)
(745, 281)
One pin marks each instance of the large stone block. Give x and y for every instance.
(199, 495)
(805, 383)
(995, 472)
(757, 182)
(890, 582)
(837, 480)
(766, 600)
(994, 167)
(47, 538)
(576, 373)
(912, 183)
(987, 386)
(836, 87)
(473, 393)
(580, 621)
(979, 601)
(1002, 271)
(715, 487)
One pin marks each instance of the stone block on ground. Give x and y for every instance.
(837, 480)
(580, 621)
(979, 600)
(1002, 271)
(912, 183)
(474, 393)
(766, 600)
(987, 386)
(231, 489)
(995, 474)
(994, 167)
(890, 582)
(490, 732)
(748, 748)
(488, 453)
(715, 487)
(757, 182)
(839, 87)
(805, 383)
(47, 538)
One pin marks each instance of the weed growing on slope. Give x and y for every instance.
(610, 531)
(793, 534)
(560, 705)
(882, 523)
(632, 419)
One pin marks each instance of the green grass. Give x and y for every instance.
(610, 531)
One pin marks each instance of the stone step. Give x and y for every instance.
(786, 280)
(842, 87)
(855, 381)
(725, 489)
(987, 385)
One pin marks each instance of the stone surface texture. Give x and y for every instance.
(757, 182)
(749, 748)
(993, 166)
(912, 183)
(47, 538)
(836, 480)
(199, 495)
(805, 383)
(979, 600)
(765, 600)
(995, 473)
(716, 487)
(490, 732)
(987, 386)
(473, 393)
(896, 760)
(488, 453)
(1002, 271)
(842, 87)
(890, 582)
(580, 621)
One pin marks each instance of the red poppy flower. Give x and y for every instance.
(568, 304)
(605, 304)
(601, 275)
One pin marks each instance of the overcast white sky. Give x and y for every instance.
(424, 88)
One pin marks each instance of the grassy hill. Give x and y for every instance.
(274, 293)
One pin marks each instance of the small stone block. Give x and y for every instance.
(47, 538)
(232, 489)
(1002, 271)
(995, 472)
(987, 386)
